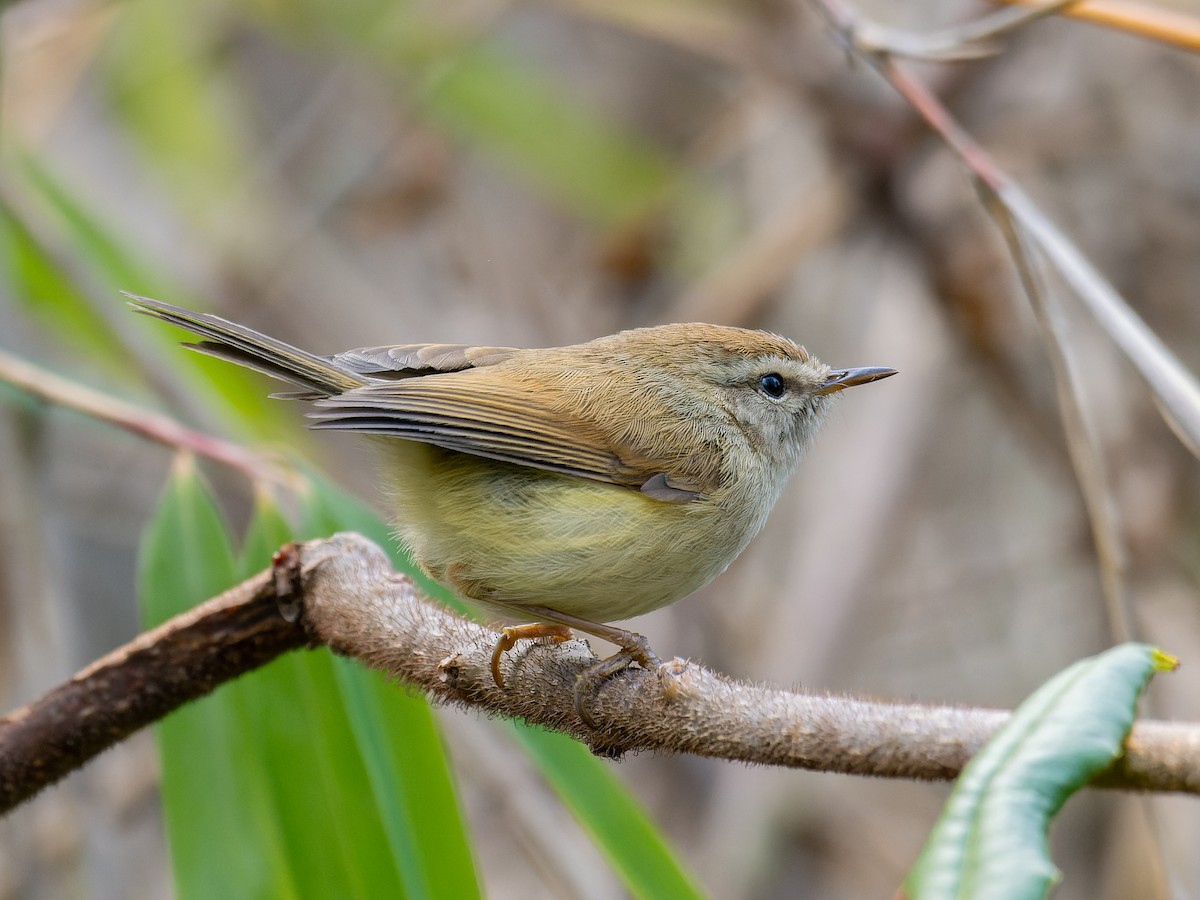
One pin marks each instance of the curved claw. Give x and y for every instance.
(636, 651)
(509, 636)
(635, 648)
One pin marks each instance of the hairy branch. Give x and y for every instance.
(343, 593)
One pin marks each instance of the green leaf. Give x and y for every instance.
(397, 738)
(267, 532)
(186, 556)
(167, 85)
(991, 839)
(610, 813)
(598, 170)
(329, 509)
(213, 810)
(48, 292)
(279, 710)
(85, 233)
(406, 763)
(381, 762)
(264, 786)
(603, 805)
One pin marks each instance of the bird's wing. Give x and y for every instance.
(501, 420)
(408, 360)
(398, 362)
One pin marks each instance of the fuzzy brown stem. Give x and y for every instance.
(343, 593)
(681, 707)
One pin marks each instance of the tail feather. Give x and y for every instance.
(321, 376)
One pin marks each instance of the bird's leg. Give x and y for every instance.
(510, 634)
(634, 648)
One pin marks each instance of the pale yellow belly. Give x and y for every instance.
(519, 536)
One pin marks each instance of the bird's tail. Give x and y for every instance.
(319, 375)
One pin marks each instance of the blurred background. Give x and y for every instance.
(541, 173)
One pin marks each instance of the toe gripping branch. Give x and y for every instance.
(635, 648)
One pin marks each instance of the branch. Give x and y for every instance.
(46, 386)
(343, 593)
(1156, 22)
(1174, 388)
(1082, 446)
(138, 684)
(969, 40)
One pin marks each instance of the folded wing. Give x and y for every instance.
(505, 421)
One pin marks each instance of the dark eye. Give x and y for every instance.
(772, 385)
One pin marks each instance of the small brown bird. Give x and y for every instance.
(574, 486)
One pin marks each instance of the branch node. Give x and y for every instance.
(286, 577)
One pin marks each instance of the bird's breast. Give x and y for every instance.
(518, 536)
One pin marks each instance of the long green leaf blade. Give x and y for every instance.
(45, 289)
(241, 395)
(380, 761)
(595, 168)
(406, 762)
(606, 809)
(265, 791)
(990, 841)
(213, 811)
(399, 743)
(278, 710)
(602, 804)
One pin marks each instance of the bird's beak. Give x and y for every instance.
(843, 378)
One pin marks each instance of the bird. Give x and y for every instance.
(563, 489)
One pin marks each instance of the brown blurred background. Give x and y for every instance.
(542, 173)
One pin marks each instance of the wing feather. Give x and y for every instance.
(508, 421)
(409, 360)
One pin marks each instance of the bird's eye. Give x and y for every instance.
(772, 385)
